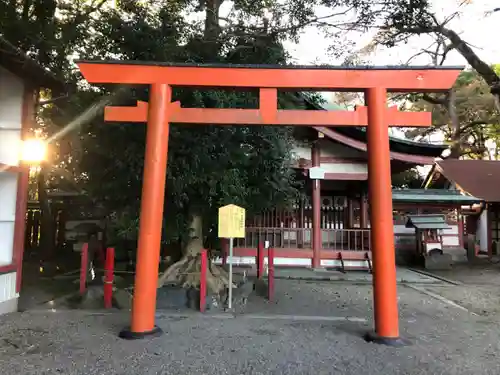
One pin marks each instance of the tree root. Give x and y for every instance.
(186, 273)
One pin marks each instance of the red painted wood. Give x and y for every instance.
(83, 268)
(9, 268)
(108, 277)
(151, 216)
(271, 116)
(316, 208)
(28, 118)
(10, 168)
(260, 260)
(203, 280)
(270, 275)
(385, 299)
(300, 253)
(225, 250)
(315, 79)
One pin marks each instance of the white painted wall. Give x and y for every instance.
(11, 99)
(482, 230)
(302, 152)
(450, 236)
(331, 149)
(328, 148)
(8, 287)
(344, 167)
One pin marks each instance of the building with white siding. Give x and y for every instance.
(21, 79)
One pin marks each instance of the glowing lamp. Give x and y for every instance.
(33, 151)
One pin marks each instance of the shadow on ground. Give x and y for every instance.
(445, 340)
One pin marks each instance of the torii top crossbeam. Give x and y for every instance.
(270, 79)
(160, 111)
(300, 78)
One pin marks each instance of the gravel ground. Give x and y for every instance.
(479, 273)
(446, 340)
(480, 289)
(480, 299)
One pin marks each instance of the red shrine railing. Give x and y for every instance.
(300, 238)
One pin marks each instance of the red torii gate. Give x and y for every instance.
(160, 111)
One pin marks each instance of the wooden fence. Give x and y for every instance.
(34, 226)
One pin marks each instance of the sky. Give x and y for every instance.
(473, 26)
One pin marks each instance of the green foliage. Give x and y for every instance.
(478, 119)
(208, 166)
(409, 179)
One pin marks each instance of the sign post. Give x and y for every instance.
(231, 225)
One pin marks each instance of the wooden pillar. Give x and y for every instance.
(350, 213)
(316, 209)
(30, 96)
(363, 212)
(489, 218)
(300, 225)
(20, 222)
(381, 222)
(151, 217)
(460, 223)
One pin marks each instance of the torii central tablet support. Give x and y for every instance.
(374, 82)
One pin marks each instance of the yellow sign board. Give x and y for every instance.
(231, 222)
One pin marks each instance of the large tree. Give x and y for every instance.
(467, 118)
(208, 166)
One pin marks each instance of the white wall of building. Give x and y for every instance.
(11, 99)
(406, 236)
(338, 151)
(482, 231)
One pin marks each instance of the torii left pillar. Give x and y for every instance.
(151, 218)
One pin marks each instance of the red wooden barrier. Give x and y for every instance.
(225, 250)
(203, 280)
(83, 268)
(270, 273)
(260, 260)
(108, 277)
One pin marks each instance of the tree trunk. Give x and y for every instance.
(47, 232)
(485, 70)
(456, 138)
(186, 272)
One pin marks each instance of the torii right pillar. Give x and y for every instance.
(385, 297)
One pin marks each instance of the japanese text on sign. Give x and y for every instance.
(231, 222)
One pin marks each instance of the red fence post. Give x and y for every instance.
(225, 250)
(83, 268)
(203, 280)
(270, 275)
(260, 260)
(108, 277)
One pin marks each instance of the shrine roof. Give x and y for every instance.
(426, 222)
(433, 196)
(400, 145)
(480, 178)
(20, 64)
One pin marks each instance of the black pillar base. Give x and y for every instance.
(389, 341)
(127, 334)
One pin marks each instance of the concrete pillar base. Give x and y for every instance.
(388, 341)
(127, 334)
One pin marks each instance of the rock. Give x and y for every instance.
(438, 262)
(261, 288)
(93, 298)
(122, 299)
